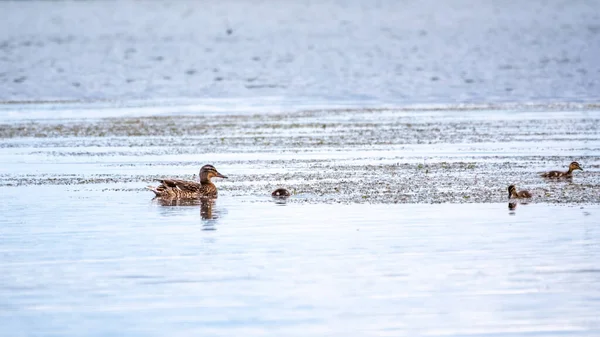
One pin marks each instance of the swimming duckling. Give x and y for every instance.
(281, 193)
(512, 193)
(559, 174)
(175, 188)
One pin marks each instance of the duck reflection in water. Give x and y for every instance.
(206, 209)
(209, 213)
(512, 206)
(177, 201)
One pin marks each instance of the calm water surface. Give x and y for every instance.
(302, 51)
(251, 87)
(115, 262)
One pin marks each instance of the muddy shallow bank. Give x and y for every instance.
(356, 156)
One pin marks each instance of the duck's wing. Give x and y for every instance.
(553, 174)
(184, 186)
(524, 194)
(176, 186)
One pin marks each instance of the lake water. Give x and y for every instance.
(320, 53)
(396, 125)
(108, 263)
(388, 233)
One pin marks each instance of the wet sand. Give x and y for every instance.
(349, 156)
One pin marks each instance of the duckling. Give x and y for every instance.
(559, 174)
(281, 193)
(175, 188)
(512, 193)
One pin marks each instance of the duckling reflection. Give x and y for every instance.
(280, 196)
(512, 206)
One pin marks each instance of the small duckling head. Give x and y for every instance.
(208, 171)
(574, 166)
(281, 193)
(512, 190)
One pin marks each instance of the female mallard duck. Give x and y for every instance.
(512, 193)
(559, 174)
(174, 188)
(281, 193)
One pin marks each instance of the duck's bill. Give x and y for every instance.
(219, 175)
(580, 168)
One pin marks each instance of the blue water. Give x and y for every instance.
(97, 258)
(310, 51)
(102, 263)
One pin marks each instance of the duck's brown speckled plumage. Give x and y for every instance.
(514, 194)
(560, 174)
(176, 188)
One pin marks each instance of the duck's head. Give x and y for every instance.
(511, 190)
(208, 171)
(574, 166)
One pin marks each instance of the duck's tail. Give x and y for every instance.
(153, 189)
